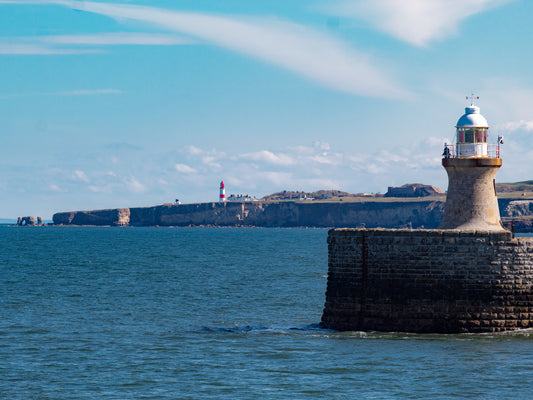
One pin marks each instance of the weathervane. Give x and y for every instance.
(472, 98)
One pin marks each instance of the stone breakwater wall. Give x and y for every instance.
(441, 281)
(269, 214)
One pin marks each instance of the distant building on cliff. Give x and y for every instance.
(241, 197)
(413, 190)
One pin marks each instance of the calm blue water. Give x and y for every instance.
(200, 313)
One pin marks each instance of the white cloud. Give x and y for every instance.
(115, 38)
(513, 111)
(385, 156)
(184, 169)
(87, 92)
(210, 158)
(435, 142)
(327, 159)
(54, 188)
(54, 44)
(422, 157)
(321, 145)
(77, 92)
(279, 179)
(304, 156)
(270, 158)
(309, 53)
(318, 154)
(507, 105)
(80, 175)
(100, 189)
(376, 169)
(134, 185)
(194, 150)
(511, 126)
(303, 150)
(417, 22)
(37, 49)
(294, 168)
(211, 161)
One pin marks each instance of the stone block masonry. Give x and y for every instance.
(441, 281)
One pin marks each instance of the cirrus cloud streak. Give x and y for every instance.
(417, 22)
(306, 52)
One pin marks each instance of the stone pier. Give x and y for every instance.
(441, 281)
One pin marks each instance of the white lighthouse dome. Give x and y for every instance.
(472, 118)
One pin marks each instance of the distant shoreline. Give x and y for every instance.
(387, 213)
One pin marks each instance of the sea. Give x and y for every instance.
(214, 313)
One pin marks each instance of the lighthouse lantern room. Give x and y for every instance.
(472, 131)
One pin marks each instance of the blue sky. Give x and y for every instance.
(136, 103)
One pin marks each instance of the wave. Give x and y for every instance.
(262, 329)
(316, 329)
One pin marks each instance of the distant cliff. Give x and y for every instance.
(369, 214)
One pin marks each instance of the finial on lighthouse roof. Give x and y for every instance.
(472, 98)
(472, 117)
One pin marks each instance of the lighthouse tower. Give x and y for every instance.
(222, 196)
(471, 202)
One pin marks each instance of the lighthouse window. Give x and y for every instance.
(461, 136)
(481, 136)
(469, 136)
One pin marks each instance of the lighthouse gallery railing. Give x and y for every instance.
(493, 151)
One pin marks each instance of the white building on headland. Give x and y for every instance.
(241, 197)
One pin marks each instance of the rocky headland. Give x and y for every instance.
(370, 214)
(413, 214)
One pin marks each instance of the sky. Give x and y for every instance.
(107, 104)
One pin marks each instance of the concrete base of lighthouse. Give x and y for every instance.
(471, 202)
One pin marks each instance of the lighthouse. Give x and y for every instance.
(469, 276)
(222, 196)
(471, 165)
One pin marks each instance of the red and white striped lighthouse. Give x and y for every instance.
(222, 196)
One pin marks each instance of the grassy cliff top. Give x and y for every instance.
(506, 190)
(523, 189)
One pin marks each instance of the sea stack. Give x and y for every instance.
(470, 275)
